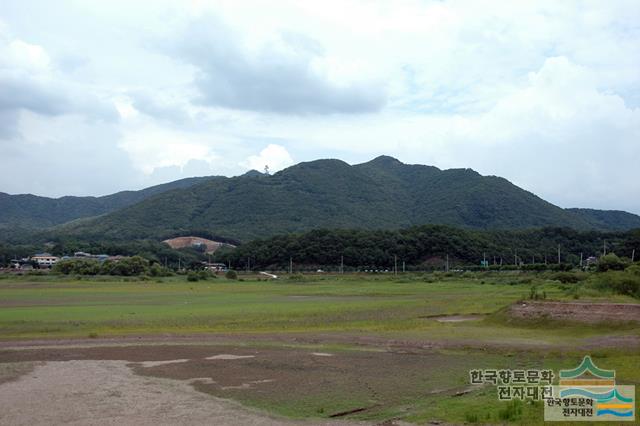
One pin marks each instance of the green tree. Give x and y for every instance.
(610, 262)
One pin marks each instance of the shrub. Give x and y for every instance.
(610, 262)
(627, 283)
(192, 276)
(231, 275)
(633, 270)
(533, 293)
(128, 266)
(157, 270)
(78, 266)
(568, 277)
(205, 275)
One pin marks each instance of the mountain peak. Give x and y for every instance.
(384, 160)
(325, 163)
(253, 173)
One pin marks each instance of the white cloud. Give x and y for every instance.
(26, 56)
(275, 157)
(151, 147)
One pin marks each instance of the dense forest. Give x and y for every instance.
(427, 247)
(419, 248)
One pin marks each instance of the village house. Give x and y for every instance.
(44, 260)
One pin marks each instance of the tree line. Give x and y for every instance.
(428, 247)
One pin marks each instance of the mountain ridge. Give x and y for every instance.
(34, 211)
(383, 193)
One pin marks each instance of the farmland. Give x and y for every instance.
(358, 347)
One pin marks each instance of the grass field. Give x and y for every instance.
(390, 353)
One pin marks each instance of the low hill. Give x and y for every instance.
(608, 219)
(381, 194)
(32, 211)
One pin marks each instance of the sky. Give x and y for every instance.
(102, 96)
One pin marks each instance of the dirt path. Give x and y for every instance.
(373, 342)
(109, 393)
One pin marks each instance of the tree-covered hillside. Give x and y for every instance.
(608, 219)
(381, 194)
(32, 211)
(429, 246)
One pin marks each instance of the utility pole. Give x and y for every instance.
(484, 259)
(290, 265)
(533, 259)
(342, 264)
(581, 259)
(558, 254)
(403, 270)
(633, 255)
(179, 263)
(395, 264)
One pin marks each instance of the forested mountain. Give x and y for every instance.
(32, 211)
(381, 194)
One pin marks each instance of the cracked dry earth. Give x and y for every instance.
(107, 392)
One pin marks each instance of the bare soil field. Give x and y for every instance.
(272, 375)
(107, 392)
(590, 313)
(214, 380)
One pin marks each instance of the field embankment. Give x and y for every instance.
(590, 313)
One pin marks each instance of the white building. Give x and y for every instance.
(45, 260)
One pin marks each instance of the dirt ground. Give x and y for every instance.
(196, 380)
(109, 393)
(304, 379)
(577, 312)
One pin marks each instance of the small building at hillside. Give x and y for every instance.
(215, 267)
(45, 260)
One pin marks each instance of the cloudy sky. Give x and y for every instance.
(101, 96)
